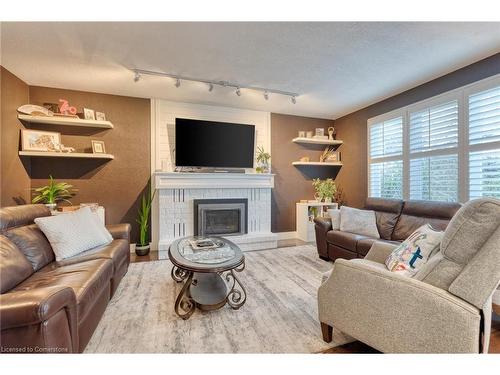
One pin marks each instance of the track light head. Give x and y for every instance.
(210, 87)
(266, 95)
(177, 82)
(137, 77)
(238, 91)
(294, 99)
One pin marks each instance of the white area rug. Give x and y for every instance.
(280, 314)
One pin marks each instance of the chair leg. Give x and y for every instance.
(327, 331)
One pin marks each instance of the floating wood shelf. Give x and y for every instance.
(318, 163)
(75, 155)
(315, 141)
(66, 121)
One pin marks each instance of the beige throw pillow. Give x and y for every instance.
(358, 221)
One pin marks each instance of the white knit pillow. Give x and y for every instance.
(72, 233)
(358, 221)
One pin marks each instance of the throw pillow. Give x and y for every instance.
(358, 221)
(72, 233)
(409, 257)
(334, 214)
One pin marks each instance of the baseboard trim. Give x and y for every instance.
(286, 235)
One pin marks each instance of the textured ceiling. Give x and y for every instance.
(336, 67)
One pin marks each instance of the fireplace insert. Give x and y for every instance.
(224, 217)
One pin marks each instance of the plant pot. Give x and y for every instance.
(51, 206)
(142, 250)
(328, 200)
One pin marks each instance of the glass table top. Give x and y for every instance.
(223, 251)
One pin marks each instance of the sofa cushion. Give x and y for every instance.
(417, 213)
(345, 240)
(118, 251)
(17, 216)
(14, 266)
(387, 212)
(32, 243)
(87, 279)
(358, 221)
(74, 232)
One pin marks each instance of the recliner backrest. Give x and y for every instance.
(468, 264)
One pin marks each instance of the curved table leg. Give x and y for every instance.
(184, 304)
(178, 274)
(237, 295)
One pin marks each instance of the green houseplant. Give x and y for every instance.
(325, 189)
(53, 193)
(263, 158)
(143, 246)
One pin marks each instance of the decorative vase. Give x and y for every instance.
(263, 167)
(142, 250)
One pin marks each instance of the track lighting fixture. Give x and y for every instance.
(138, 73)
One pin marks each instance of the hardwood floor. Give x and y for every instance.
(354, 347)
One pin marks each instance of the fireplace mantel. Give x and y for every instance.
(184, 180)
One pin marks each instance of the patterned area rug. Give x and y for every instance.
(280, 314)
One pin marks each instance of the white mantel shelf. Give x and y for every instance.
(183, 180)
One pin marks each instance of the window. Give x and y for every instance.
(386, 158)
(445, 148)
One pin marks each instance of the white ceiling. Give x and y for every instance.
(336, 67)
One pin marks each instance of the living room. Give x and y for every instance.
(249, 187)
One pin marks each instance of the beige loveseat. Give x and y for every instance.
(445, 308)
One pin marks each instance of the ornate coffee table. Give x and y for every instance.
(208, 274)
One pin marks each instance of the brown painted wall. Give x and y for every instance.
(118, 184)
(352, 128)
(14, 176)
(291, 183)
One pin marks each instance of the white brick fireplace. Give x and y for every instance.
(177, 191)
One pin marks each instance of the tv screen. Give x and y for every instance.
(213, 144)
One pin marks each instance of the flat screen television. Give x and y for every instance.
(213, 144)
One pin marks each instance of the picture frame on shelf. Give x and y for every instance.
(88, 114)
(100, 116)
(39, 140)
(333, 156)
(319, 132)
(98, 147)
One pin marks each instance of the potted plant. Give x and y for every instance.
(143, 246)
(53, 193)
(325, 189)
(262, 160)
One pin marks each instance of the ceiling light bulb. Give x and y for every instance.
(177, 82)
(294, 100)
(238, 91)
(266, 95)
(210, 87)
(137, 76)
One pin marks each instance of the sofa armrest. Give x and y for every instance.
(380, 251)
(321, 227)
(28, 307)
(119, 231)
(395, 313)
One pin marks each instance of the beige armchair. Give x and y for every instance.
(444, 308)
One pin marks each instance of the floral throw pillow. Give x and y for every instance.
(414, 252)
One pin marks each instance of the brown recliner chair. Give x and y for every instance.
(49, 306)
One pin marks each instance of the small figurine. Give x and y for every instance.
(331, 133)
(65, 109)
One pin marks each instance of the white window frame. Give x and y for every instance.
(463, 149)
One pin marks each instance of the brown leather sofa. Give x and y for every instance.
(396, 220)
(49, 306)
